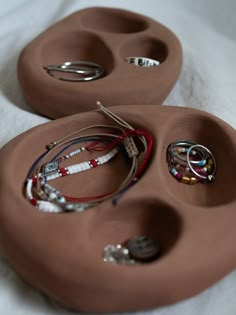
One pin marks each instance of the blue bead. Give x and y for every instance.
(201, 163)
(173, 171)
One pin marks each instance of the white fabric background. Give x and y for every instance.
(207, 31)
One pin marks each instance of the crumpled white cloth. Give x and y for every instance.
(207, 31)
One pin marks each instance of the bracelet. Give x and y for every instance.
(49, 199)
(51, 193)
(51, 170)
(131, 178)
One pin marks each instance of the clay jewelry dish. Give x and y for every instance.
(140, 58)
(61, 254)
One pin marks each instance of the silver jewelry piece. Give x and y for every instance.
(50, 168)
(187, 144)
(201, 166)
(143, 248)
(117, 254)
(142, 61)
(139, 249)
(209, 177)
(85, 70)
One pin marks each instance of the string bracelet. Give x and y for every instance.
(134, 174)
(47, 198)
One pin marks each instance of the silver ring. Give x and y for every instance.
(208, 177)
(200, 167)
(188, 144)
(85, 70)
(142, 61)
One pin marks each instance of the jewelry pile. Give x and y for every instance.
(134, 144)
(139, 249)
(191, 163)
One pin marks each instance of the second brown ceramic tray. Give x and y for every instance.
(61, 254)
(105, 36)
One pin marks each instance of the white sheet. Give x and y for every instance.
(207, 31)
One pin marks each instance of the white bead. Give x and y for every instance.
(28, 189)
(53, 196)
(53, 176)
(47, 206)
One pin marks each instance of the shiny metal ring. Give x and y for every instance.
(185, 143)
(209, 177)
(85, 70)
(142, 61)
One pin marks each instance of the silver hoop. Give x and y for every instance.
(85, 70)
(208, 177)
(200, 167)
(142, 61)
(188, 144)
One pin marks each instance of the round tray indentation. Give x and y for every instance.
(149, 217)
(113, 21)
(145, 47)
(77, 46)
(203, 130)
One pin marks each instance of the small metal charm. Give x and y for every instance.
(50, 168)
(117, 254)
(143, 248)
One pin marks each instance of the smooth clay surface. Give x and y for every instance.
(105, 36)
(61, 254)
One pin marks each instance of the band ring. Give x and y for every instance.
(85, 70)
(208, 177)
(187, 144)
(142, 61)
(190, 162)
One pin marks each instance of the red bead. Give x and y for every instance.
(34, 180)
(33, 201)
(178, 176)
(63, 171)
(93, 163)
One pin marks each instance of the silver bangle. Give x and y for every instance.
(85, 70)
(142, 61)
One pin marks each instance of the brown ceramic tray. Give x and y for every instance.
(104, 36)
(61, 254)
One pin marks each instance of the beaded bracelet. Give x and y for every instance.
(50, 192)
(43, 177)
(130, 179)
(52, 200)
